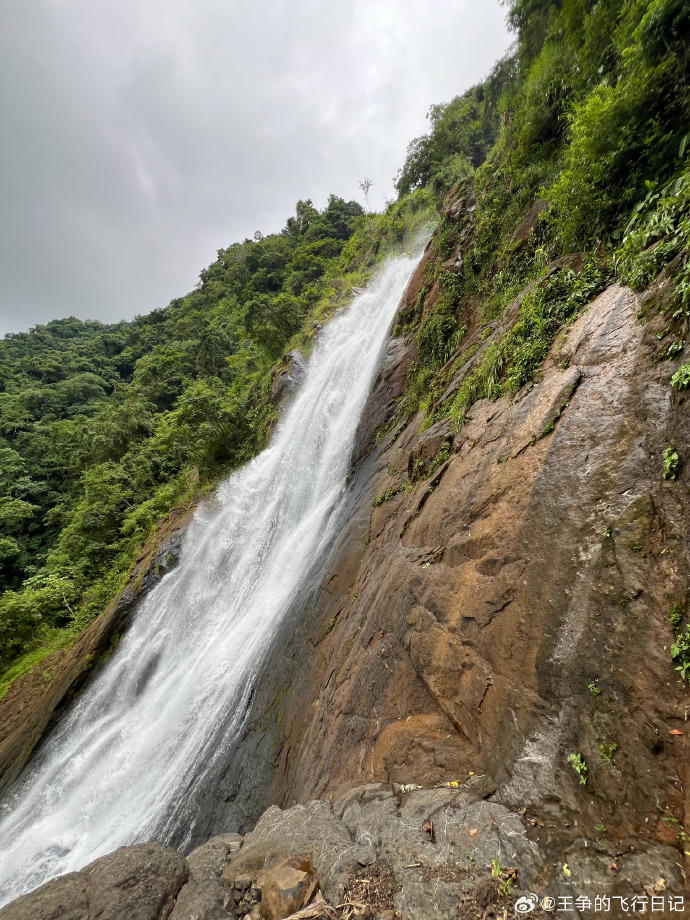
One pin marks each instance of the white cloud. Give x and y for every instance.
(140, 136)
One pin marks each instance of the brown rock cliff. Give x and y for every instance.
(508, 611)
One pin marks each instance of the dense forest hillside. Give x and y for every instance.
(576, 142)
(105, 428)
(591, 157)
(431, 652)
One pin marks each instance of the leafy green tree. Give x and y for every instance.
(103, 428)
(272, 321)
(461, 134)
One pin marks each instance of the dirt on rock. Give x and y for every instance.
(373, 887)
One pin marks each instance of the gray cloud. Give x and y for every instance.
(138, 137)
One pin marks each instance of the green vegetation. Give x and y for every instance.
(681, 379)
(387, 496)
(680, 649)
(568, 166)
(579, 765)
(608, 751)
(680, 652)
(659, 232)
(671, 462)
(594, 690)
(592, 146)
(419, 471)
(670, 820)
(105, 428)
(462, 133)
(440, 458)
(676, 615)
(511, 363)
(505, 876)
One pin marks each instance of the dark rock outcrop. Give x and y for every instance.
(133, 883)
(529, 223)
(289, 377)
(415, 853)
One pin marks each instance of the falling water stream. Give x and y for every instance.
(131, 758)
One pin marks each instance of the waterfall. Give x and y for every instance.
(131, 757)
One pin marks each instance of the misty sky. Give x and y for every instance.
(140, 136)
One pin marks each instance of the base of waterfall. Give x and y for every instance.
(376, 852)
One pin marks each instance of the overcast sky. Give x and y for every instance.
(140, 136)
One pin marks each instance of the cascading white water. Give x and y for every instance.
(125, 761)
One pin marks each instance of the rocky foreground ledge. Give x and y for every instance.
(379, 853)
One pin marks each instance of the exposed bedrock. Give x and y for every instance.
(502, 614)
(138, 883)
(490, 629)
(375, 853)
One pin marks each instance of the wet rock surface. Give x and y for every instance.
(530, 222)
(138, 883)
(376, 851)
(289, 377)
(460, 627)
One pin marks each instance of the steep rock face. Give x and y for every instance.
(288, 378)
(508, 611)
(497, 602)
(503, 599)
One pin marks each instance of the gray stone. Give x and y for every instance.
(209, 860)
(206, 900)
(469, 833)
(134, 883)
(370, 824)
(435, 846)
(62, 899)
(313, 831)
(138, 883)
